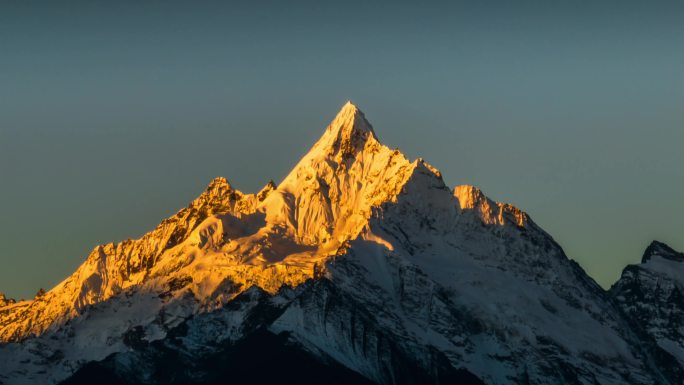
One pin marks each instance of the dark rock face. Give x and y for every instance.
(263, 358)
(199, 352)
(650, 296)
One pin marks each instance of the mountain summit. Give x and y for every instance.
(348, 132)
(361, 266)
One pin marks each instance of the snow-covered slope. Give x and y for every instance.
(359, 258)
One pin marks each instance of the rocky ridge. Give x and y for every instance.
(651, 296)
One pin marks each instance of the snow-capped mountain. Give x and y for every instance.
(651, 294)
(360, 265)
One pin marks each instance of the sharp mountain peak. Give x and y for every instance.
(347, 134)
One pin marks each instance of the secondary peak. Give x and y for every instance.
(661, 249)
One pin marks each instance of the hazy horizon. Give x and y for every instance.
(114, 116)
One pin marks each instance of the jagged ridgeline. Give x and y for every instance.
(361, 266)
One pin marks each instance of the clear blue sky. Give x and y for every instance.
(113, 115)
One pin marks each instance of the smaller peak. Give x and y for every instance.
(270, 185)
(661, 249)
(40, 294)
(218, 188)
(468, 196)
(491, 212)
(420, 162)
(219, 183)
(263, 193)
(467, 187)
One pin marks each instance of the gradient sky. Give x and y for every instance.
(115, 114)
